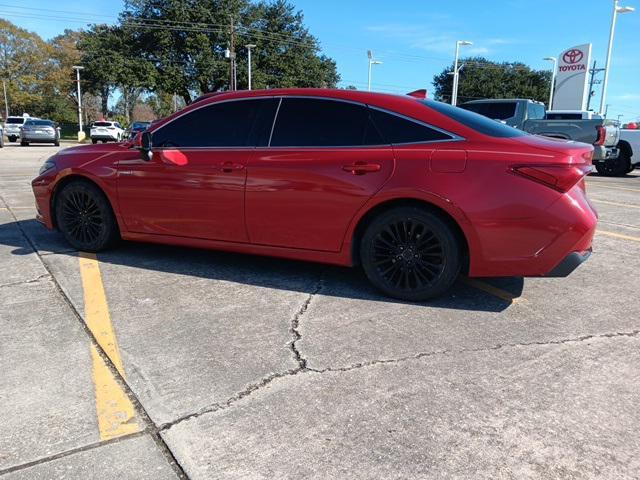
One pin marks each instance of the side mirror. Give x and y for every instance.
(145, 146)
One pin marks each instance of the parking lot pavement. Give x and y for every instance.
(213, 365)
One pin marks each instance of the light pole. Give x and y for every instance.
(6, 102)
(456, 71)
(249, 47)
(371, 62)
(616, 10)
(553, 80)
(81, 134)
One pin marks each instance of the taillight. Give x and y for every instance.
(559, 177)
(602, 134)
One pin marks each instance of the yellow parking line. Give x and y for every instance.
(490, 289)
(116, 414)
(619, 235)
(605, 202)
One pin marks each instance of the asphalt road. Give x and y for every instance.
(158, 362)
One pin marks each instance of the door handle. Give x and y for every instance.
(228, 167)
(360, 168)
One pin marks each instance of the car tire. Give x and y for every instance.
(94, 141)
(85, 218)
(410, 253)
(615, 167)
(1, 141)
(56, 143)
(13, 139)
(24, 143)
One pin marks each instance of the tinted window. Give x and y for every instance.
(103, 124)
(15, 120)
(395, 129)
(312, 122)
(474, 121)
(496, 110)
(564, 116)
(42, 123)
(536, 111)
(226, 124)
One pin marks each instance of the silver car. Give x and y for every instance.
(39, 131)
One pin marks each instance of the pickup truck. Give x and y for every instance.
(629, 146)
(530, 116)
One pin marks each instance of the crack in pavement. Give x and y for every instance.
(22, 282)
(295, 323)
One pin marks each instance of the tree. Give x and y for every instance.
(60, 93)
(481, 78)
(24, 65)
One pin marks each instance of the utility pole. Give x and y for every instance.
(6, 102)
(81, 135)
(232, 56)
(249, 47)
(592, 81)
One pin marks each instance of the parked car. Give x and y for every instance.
(106, 131)
(12, 127)
(39, 131)
(629, 145)
(136, 127)
(1, 136)
(530, 116)
(415, 191)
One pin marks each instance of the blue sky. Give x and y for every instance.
(415, 39)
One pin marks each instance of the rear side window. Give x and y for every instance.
(396, 129)
(535, 111)
(496, 111)
(225, 124)
(472, 120)
(314, 122)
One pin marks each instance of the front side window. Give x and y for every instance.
(225, 124)
(474, 121)
(315, 122)
(396, 129)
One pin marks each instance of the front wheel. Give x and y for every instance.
(85, 218)
(410, 253)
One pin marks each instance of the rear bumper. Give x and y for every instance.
(569, 264)
(104, 136)
(35, 137)
(601, 153)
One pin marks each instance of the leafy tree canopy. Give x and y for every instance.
(482, 78)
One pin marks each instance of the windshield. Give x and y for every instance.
(476, 122)
(41, 123)
(15, 120)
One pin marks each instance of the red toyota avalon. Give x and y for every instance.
(415, 191)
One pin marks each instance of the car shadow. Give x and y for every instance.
(257, 271)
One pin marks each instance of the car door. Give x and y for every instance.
(193, 186)
(324, 161)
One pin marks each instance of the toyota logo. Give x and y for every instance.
(572, 56)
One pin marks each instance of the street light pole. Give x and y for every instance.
(249, 47)
(6, 102)
(553, 80)
(616, 10)
(81, 134)
(456, 71)
(371, 62)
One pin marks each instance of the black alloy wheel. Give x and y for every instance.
(85, 218)
(410, 253)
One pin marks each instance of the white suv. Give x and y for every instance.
(12, 126)
(106, 131)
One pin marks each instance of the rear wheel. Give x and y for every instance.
(85, 218)
(615, 167)
(1, 141)
(57, 143)
(410, 253)
(24, 143)
(12, 138)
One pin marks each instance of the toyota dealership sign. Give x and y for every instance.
(571, 88)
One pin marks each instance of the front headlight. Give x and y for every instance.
(46, 166)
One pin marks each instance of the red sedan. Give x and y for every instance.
(415, 191)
